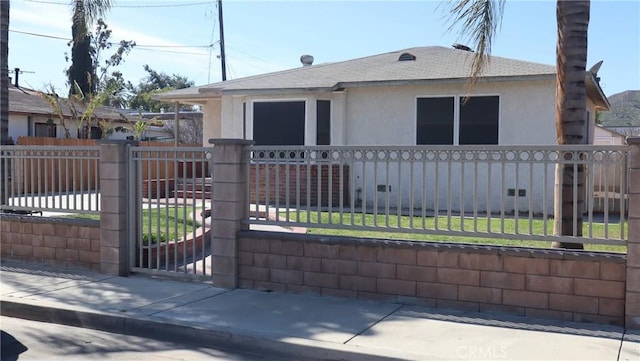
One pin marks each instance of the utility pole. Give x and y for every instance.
(222, 56)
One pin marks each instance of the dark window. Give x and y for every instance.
(323, 126)
(96, 133)
(90, 133)
(278, 123)
(434, 121)
(479, 120)
(45, 130)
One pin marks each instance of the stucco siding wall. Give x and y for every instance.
(18, 126)
(527, 112)
(387, 115)
(438, 186)
(212, 121)
(607, 137)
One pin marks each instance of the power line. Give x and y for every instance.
(173, 52)
(114, 43)
(126, 6)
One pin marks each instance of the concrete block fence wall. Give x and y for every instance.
(570, 285)
(68, 242)
(632, 297)
(50, 241)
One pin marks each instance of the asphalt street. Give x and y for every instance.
(31, 340)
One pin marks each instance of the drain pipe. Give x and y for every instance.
(176, 125)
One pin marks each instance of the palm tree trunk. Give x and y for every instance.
(571, 115)
(4, 90)
(81, 67)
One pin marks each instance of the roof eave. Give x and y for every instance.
(203, 94)
(278, 91)
(441, 81)
(342, 85)
(595, 92)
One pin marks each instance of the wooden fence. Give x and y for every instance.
(62, 174)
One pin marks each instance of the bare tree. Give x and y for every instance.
(190, 131)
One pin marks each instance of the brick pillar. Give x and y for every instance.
(230, 207)
(632, 303)
(114, 243)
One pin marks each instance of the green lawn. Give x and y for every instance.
(168, 224)
(163, 224)
(456, 224)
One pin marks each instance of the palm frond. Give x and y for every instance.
(477, 21)
(86, 12)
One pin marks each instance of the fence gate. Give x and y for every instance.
(169, 211)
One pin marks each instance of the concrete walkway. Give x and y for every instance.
(307, 326)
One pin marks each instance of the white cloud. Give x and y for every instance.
(40, 18)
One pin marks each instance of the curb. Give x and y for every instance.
(222, 337)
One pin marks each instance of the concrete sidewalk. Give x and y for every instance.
(307, 326)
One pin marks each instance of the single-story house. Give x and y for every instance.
(628, 131)
(607, 136)
(407, 97)
(30, 115)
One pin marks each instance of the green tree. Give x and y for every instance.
(105, 72)
(154, 83)
(138, 127)
(80, 108)
(85, 13)
(479, 20)
(57, 104)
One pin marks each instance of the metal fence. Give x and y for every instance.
(50, 179)
(471, 191)
(170, 206)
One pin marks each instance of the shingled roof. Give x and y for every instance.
(30, 102)
(432, 63)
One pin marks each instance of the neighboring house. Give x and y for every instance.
(32, 116)
(607, 136)
(607, 182)
(161, 125)
(630, 131)
(408, 97)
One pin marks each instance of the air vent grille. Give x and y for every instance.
(406, 57)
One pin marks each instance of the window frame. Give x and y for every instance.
(51, 128)
(415, 123)
(330, 119)
(460, 101)
(457, 99)
(251, 114)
